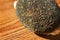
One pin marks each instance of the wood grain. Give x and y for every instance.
(12, 29)
(58, 2)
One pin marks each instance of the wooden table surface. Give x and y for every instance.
(12, 29)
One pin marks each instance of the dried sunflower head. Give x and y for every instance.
(38, 15)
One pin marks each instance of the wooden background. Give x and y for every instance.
(12, 29)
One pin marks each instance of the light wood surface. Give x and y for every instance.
(12, 29)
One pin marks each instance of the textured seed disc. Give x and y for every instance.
(38, 15)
